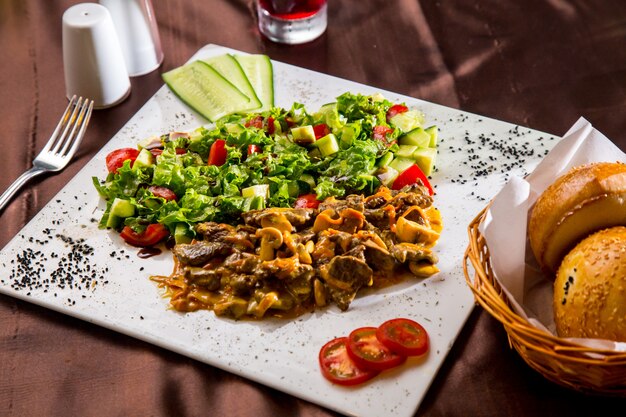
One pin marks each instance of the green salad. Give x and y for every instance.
(278, 158)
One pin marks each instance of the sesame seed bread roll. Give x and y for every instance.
(590, 288)
(586, 199)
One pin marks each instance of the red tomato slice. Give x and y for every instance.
(380, 132)
(396, 109)
(368, 352)
(338, 368)
(256, 121)
(410, 176)
(252, 149)
(321, 130)
(307, 201)
(271, 128)
(153, 234)
(403, 336)
(162, 192)
(115, 160)
(218, 153)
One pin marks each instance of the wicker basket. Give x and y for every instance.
(564, 362)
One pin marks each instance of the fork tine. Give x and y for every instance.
(76, 137)
(62, 123)
(65, 136)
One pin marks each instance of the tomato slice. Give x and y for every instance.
(380, 132)
(271, 128)
(396, 109)
(321, 130)
(403, 336)
(163, 192)
(338, 368)
(252, 149)
(410, 176)
(218, 153)
(368, 352)
(307, 201)
(256, 121)
(115, 160)
(153, 234)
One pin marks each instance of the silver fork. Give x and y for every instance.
(60, 147)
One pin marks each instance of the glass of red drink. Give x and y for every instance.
(292, 21)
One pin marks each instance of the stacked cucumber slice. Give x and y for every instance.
(222, 85)
(416, 145)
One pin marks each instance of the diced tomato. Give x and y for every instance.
(252, 149)
(410, 176)
(152, 235)
(321, 130)
(307, 201)
(367, 352)
(403, 336)
(381, 132)
(271, 128)
(337, 366)
(115, 160)
(256, 121)
(218, 153)
(162, 192)
(396, 109)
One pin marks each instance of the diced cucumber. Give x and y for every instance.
(234, 128)
(260, 73)
(203, 89)
(293, 189)
(303, 135)
(260, 190)
(408, 120)
(387, 175)
(258, 203)
(329, 114)
(400, 164)
(425, 159)
(349, 133)
(406, 151)
(144, 159)
(229, 68)
(327, 145)
(182, 233)
(306, 183)
(385, 160)
(120, 209)
(434, 133)
(417, 137)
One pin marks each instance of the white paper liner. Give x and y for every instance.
(504, 227)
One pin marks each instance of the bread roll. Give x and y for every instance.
(590, 288)
(586, 199)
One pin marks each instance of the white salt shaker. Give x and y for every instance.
(93, 63)
(137, 29)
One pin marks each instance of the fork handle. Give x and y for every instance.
(18, 184)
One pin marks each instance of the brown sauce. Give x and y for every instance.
(149, 252)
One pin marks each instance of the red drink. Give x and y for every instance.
(292, 9)
(292, 21)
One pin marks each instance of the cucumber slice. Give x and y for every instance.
(303, 135)
(385, 160)
(327, 145)
(203, 89)
(260, 73)
(417, 137)
(408, 120)
(400, 164)
(182, 233)
(229, 68)
(144, 159)
(120, 209)
(425, 159)
(260, 190)
(406, 151)
(434, 133)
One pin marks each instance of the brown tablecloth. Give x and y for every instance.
(536, 63)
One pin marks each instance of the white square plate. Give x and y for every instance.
(97, 278)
